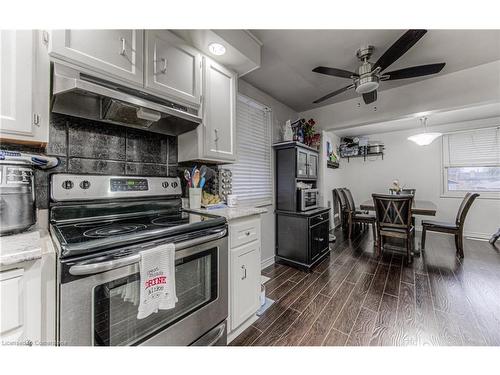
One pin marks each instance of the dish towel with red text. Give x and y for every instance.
(157, 289)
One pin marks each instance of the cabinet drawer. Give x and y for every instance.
(244, 232)
(319, 218)
(11, 300)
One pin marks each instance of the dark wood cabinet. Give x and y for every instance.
(302, 237)
(294, 162)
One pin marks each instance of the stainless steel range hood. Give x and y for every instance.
(81, 95)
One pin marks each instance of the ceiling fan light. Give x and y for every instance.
(366, 84)
(424, 139)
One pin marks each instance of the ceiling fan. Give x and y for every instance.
(368, 76)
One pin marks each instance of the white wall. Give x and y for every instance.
(280, 113)
(416, 167)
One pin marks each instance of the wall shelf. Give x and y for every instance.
(364, 156)
(332, 164)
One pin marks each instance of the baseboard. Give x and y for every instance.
(247, 323)
(266, 263)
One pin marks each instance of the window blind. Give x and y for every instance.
(480, 147)
(252, 175)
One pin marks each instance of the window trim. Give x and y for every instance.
(444, 192)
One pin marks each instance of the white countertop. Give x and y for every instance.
(232, 213)
(21, 247)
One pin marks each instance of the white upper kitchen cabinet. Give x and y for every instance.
(215, 139)
(114, 53)
(24, 82)
(172, 67)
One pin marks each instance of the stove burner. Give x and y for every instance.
(169, 221)
(113, 230)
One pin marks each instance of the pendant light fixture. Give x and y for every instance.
(425, 138)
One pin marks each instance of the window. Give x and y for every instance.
(471, 162)
(252, 175)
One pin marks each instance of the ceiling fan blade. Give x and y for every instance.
(399, 48)
(328, 96)
(370, 97)
(415, 71)
(334, 72)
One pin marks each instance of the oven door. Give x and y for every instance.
(309, 199)
(101, 309)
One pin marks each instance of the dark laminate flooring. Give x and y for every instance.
(354, 298)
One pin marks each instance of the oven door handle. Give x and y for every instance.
(93, 268)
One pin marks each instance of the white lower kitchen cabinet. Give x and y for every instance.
(25, 87)
(215, 139)
(21, 304)
(244, 271)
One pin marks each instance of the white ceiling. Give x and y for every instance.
(288, 57)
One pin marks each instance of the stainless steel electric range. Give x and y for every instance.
(99, 225)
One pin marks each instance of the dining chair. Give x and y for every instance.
(357, 216)
(456, 228)
(394, 219)
(339, 197)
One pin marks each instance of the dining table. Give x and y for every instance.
(419, 207)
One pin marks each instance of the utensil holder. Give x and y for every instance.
(194, 197)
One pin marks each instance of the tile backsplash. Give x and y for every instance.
(84, 146)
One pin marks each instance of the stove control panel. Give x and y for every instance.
(74, 187)
(129, 184)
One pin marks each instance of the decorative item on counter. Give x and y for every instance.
(225, 180)
(396, 187)
(232, 200)
(209, 200)
(304, 132)
(311, 138)
(287, 132)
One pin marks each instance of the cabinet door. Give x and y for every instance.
(301, 163)
(319, 239)
(16, 80)
(312, 165)
(219, 111)
(11, 303)
(172, 67)
(245, 282)
(117, 53)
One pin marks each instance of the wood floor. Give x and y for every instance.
(353, 298)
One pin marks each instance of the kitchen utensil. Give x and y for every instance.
(210, 174)
(203, 171)
(202, 182)
(187, 177)
(196, 178)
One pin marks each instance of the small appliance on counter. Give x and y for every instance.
(17, 189)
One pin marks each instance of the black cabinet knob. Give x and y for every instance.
(85, 184)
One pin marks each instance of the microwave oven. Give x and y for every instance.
(307, 199)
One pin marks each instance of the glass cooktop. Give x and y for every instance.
(89, 236)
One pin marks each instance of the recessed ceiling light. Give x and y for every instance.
(217, 49)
